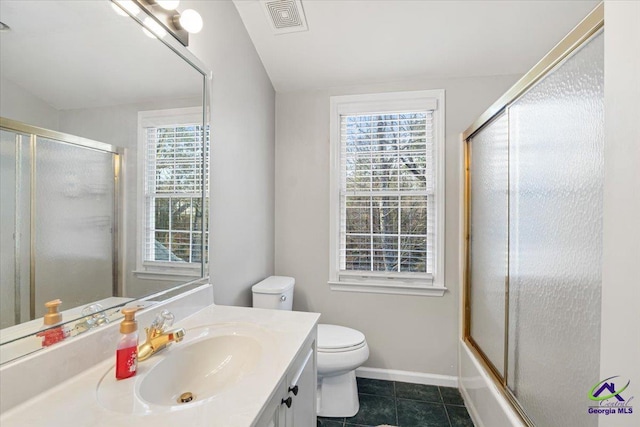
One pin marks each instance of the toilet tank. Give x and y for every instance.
(274, 292)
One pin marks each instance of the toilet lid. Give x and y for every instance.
(274, 285)
(332, 337)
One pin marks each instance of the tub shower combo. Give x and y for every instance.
(533, 218)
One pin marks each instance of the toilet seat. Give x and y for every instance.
(339, 339)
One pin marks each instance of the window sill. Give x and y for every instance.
(384, 288)
(166, 275)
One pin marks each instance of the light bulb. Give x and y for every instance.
(127, 5)
(191, 21)
(168, 4)
(155, 28)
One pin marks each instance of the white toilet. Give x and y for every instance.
(340, 351)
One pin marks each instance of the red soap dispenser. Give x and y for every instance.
(50, 334)
(127, 351)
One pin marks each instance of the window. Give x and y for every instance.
(172, 206)
(387, 193)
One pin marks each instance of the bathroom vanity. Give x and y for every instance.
(294, 400)
(243, 367)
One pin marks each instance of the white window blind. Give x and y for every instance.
(174, 206)
(387, 194)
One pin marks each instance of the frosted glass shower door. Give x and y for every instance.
(555, 248)
(14, 228)
(489, 179)
(74, 216)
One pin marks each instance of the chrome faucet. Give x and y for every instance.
(157, 336)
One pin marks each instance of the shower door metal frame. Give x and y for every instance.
(581, 34)
(34, 133)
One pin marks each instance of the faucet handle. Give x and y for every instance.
(163, 320)
(94, 315)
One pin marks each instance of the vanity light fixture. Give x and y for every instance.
(163, 18)
(164, 13)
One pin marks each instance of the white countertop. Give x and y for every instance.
(75, 402)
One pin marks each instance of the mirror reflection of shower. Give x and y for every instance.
(59, 221)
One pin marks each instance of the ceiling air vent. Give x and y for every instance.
(285, 16)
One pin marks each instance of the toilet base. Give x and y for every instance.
(338, 395)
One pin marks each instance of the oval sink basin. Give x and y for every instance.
(211, 360)
(204, 369)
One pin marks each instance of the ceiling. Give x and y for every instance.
(368, 41)
(81, 54)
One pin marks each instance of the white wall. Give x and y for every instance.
(407, 333)
(17, 103)
(242, 154)
(620, 323)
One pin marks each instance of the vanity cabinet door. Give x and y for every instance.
(274, 413)
(294, 403)
(301, 387)
(269, 419)
(303, 408)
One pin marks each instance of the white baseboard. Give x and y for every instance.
(408, 377)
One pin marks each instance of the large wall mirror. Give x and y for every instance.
(104, 162)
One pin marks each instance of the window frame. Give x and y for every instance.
(388, 282)
(160, 270)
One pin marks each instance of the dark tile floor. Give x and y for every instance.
(404, 405)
